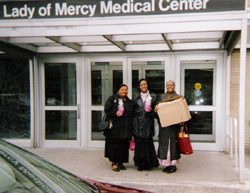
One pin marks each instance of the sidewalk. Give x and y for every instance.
(210, 172)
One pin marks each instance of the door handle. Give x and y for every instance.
(78, 111)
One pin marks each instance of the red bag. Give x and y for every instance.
(132, 145)
(184, 141)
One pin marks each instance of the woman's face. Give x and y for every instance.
(123, 91)
(170, 86)
(144, 86)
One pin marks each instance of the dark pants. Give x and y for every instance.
(166, 133)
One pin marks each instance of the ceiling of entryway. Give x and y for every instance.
(126, 43)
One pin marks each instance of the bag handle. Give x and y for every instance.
(184, 128)
(104, 116)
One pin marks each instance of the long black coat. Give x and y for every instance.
(143, 121)
(123, 125)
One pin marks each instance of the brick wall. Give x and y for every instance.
(234, 93)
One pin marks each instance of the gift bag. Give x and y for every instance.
(184, 141)
(132, 145)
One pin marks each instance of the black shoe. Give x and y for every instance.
(166, 169)
(115, 168)
(140, 168)
(121, 167)
(171, 169)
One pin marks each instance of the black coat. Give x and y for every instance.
(143, 121)
(123, 125)
(166, 134)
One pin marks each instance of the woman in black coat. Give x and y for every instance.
(119, 136)
(145, 156)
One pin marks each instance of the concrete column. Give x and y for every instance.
(243, 51)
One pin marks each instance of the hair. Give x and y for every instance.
(121, 85)
(138, 87)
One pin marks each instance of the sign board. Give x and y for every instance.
(105, 8)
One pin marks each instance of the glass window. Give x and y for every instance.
(60, 84)
(155, 80)
(201, 122)
(105, 79)
(61, 125)
(199, 86)
(14, 98)
(96, 119)
(152, 71)
(96, 83)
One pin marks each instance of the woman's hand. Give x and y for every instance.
(156, 108)
(118, 114)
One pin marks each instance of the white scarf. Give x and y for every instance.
(144, 96)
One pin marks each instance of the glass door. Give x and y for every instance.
(106, 76)
(61, 104)
(198, 83)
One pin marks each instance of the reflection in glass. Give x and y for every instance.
(61, 125)
(117, 80)
(96, 84)
(135, 79)
(199, 86)
(96, 119)
(60, 84)
(14, 98)
(152, 71)
(105, 79)
(155, 79)
(201, 123)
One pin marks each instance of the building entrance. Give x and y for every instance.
(198, 78)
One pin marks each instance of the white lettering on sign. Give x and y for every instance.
(24, 11)
(65, 9)
(165, 5)
(45, 11)
(129, 7)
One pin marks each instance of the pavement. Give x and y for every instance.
(208, 172)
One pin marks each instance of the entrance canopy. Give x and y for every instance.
(114, 36)
(120, 26)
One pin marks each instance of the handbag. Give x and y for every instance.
(132, 145)
(105, 125)
(184, 141)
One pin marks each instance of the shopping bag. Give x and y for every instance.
(185, 146)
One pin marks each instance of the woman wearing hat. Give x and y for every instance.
(119, 109)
